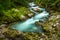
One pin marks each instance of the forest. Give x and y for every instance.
(14, 11)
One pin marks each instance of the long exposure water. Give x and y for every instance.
(29, 24)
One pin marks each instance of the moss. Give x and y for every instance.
(15, 14)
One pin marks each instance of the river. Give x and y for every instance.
(29, 24)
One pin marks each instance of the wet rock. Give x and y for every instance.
(30, 15)
(36, 10)
(23, 17)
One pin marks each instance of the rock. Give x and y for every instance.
(23, 17)
(38, 23)
(3, 25)
(5, 22)
(58, 16)
(6, 39)
(37, 10)
(57, 23)
(30, 15)
(1, 35)
(16, 10)
(54, 25)
(52, 17)
(41, 39)
(18, 39)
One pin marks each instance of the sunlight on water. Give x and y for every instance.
(28, 25)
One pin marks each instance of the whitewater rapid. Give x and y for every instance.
(29, 24)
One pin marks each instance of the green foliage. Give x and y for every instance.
(6, 4)
(14, 14)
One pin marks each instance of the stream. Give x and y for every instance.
(29, 24)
